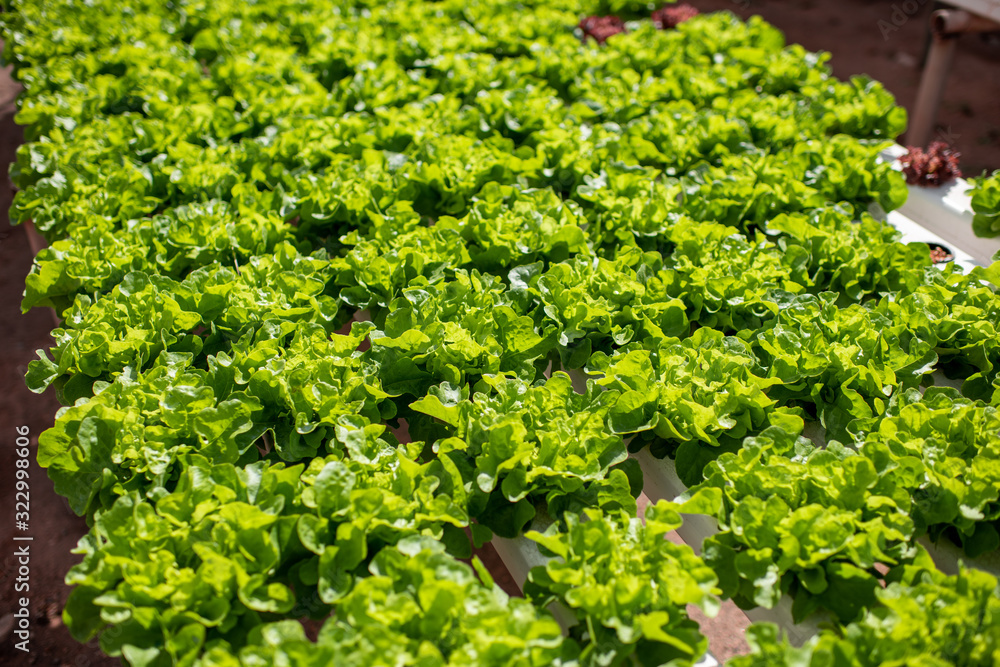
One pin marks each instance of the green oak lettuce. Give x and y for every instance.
(524, 444)
(923, 618)
(416, 606)
(229, 548)
(626, 585)
(986, 205)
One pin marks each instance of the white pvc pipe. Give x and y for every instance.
(947, 555)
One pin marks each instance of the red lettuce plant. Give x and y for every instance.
(601, 27)
(933, 167)
(671, 17)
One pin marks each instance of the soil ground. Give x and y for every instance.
(54, 528)
(849, 29)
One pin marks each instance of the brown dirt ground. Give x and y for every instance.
(53, 526)
(849, 29)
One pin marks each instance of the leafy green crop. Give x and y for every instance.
(814, 523)
(527, 444)
(289, 235)
(418, 606)
(923, 618)
(986, 205)
(688, 393)
(809, 522)
(232, 547)
(297, 387)
(950, 449)
(627, 586)
(148, 314)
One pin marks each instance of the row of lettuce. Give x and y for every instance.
(316, 261)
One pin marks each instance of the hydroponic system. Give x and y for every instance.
(349, 289)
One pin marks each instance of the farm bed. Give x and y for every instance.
(717, 278)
